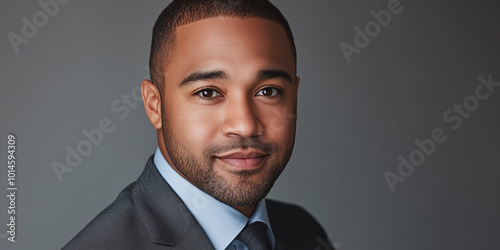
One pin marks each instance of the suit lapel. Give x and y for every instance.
(166, 218)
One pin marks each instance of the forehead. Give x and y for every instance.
(231, 38)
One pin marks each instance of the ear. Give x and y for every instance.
(297, 81)
(152, 102)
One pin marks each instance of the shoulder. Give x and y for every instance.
(290, 214)
(295, 226)
(147, 214)
(118, 225)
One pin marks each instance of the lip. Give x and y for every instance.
(243, 159)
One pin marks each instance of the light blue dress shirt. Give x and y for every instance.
(221, 222)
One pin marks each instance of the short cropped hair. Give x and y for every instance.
(182, 12)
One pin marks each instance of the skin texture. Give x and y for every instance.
(226, 120)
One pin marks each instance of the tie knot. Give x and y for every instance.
(255, 236)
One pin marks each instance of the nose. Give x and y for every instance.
(241, 119)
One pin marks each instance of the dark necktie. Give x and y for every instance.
(255, 236)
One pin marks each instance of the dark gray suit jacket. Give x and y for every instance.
(148, 214)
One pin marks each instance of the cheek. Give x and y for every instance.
(280, 122)
(196, 127)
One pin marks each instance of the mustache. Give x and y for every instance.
(240, 143)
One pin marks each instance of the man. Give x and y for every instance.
(223, 98)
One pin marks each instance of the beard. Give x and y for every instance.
(239, 189)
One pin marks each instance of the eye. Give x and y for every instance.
(269, 92)
(208, 93)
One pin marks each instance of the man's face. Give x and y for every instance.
(229, 106)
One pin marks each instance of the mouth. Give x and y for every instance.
(243, 159)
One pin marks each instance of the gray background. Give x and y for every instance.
(355, 119)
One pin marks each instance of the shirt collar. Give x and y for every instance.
(221, 222)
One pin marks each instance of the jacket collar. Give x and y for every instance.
(167, 220)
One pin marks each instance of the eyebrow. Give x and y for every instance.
(271, 74)
(218, 74)
(203, 75)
